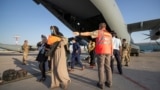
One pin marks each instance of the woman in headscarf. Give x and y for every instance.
(59, 72)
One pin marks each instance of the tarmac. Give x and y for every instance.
(143, 73)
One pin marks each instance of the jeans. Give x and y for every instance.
(118, 59)
(75, 58)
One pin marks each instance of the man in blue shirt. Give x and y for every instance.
(76, 55)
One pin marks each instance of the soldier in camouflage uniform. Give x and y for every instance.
(25, 48)
(125, 50)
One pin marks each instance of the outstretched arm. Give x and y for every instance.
(82, 33)
(93, 34)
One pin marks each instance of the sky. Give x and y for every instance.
(28, 20)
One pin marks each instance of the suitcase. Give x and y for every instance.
(21, 73)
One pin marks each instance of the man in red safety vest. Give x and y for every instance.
(104, 51)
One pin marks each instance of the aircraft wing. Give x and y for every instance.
(17, 48)
(11, 47)
(144, 25)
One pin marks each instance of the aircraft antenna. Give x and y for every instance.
(17, 38)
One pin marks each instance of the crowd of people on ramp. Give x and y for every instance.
(103, 45)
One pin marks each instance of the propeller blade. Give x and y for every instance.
(146, 38)
(146, 34)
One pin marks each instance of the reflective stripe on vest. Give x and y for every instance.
(102, 39)
(103, 43)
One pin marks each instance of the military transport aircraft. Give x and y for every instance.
(85, 15)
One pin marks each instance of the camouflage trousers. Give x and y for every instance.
(25, 55)
(125, 58)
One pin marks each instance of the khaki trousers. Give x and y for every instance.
(25, 55)
(104, 69)
(125, 58)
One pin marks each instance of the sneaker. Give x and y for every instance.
(82, 68)
(1, 81)
(92, 66)
(70, 70)
(41, 79)
(120, 72)
(107, 84)
(24, 64)
(101, 86)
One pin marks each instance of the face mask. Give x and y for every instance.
(52, 32)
